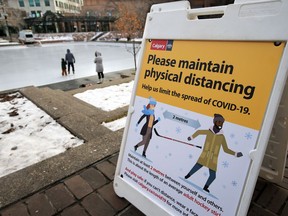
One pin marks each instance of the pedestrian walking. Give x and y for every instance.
(63, 66)
(99, 66)
(70, 60)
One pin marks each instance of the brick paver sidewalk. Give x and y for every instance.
(90, 192)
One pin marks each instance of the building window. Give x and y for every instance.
(33, 14)
(39, 13)
(31, 3)
(21, 3)
(37, 3)
(47, 3)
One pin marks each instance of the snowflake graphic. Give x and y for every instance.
(225, 164)
(190, 156)
(248, 136)
(232, 135)
(234, 183)
(178, 130)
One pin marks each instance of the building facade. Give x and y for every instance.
(57, 23)
(11, 19)
(36, 8)
(53, 16)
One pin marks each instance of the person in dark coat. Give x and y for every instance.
(146, 131)
(69, 57)
(63, 67)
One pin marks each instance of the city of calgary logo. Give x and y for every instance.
(161, 45)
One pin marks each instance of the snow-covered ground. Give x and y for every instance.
(109, 98)
(25, 130)
(28, 135)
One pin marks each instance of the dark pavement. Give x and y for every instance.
(90, 192)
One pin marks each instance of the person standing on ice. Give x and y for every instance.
(99, 66)
(146, 131)
(69, 57)
(63, 67)
(215, 139)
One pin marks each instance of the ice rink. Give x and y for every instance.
(36, 65)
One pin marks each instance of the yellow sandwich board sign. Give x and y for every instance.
(202, 108)
(219, 79)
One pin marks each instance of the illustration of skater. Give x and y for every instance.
(215, 139)
(146, 131)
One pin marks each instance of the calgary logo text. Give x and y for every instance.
(162, 45)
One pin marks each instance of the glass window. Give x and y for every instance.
(31, 3)
(37, 3)
(39, 14)
(33, 13)
(21, 3)
(29, 36)
(47, 3)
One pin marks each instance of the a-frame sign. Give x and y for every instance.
(204, 101)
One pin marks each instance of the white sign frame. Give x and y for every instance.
(242, 21)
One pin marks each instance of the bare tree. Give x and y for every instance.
(130, 26)
(128, 23)
(11, 19)
(134, 50)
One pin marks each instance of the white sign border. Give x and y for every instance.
(243, 21)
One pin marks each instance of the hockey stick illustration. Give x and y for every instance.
(169, 138)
